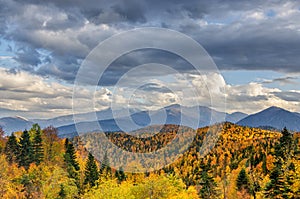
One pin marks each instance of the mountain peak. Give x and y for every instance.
(275, 117)
(275, 108)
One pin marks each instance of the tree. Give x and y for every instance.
(2, 139)
(91, 171)
(70, 156)
(284, 147)
(62, 193)
(276, 187)
(120, 175)
(72, 164)
(50, 138)
(25, 156)
(208, 184)
(105, 166)
(242, 181)
(38, 151)
(11, 149)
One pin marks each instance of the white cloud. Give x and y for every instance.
(36, 97)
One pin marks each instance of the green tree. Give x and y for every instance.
(71, 163)
(105, 169)
(276, 188)
(284, 147)
(70, 155)
(25, 157)
(208, 184)
(120, 175)
(91, 171)
(2, 139)
(242, 181)
(38, 151)
(62, 193)
(11, 149)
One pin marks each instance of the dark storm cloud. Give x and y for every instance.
(139, 57)
(69, 29)
(28, 56)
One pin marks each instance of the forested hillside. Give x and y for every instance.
(244, 163)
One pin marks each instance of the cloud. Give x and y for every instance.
(290, 96)
(254, 97)
(282, 80)
(35, 96)
(227, 29)
(49, 40)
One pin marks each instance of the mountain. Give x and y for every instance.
(235, 117)
(65, 120)
(119, 120)
(194, 117)
(273, 117)
(13, 124)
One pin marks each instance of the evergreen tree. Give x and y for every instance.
(105, 166)
(242, 181)
(11, 149)
(91, 171)
(2, 139)
(70, 155)
(208, 185)
(38, 151)
(120, 175)
(264, 165)
(71, 163)
(276, 187)
(25, 157)
(284, 147)
(62, 193)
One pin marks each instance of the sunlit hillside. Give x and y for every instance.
(244, 163)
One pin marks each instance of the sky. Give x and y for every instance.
(255, 45)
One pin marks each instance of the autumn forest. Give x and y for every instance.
(244, 163)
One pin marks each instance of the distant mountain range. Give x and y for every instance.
(272, 117)
(275, 117)
(13, 124)
(111, 120)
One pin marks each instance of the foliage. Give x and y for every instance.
(244, 163)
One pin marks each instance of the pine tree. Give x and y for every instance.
(105, 166)
(242, 181)
(25, 157)
(12, 149)
(70, 156)
(62, 193)
(71, 163)
(276, 187)
(120, 175)
(284, 147)
(2, 139)
(91, 171)
(264, 165)
(38, 151)
(208, 185)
